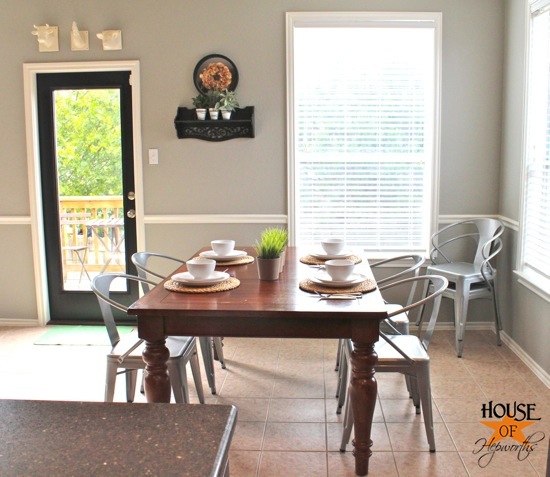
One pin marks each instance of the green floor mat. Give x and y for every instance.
(77, 335)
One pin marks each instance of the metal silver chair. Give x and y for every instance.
(142, 261)
(400, 321)
(126, 352)
(468, 280)
(406, 354)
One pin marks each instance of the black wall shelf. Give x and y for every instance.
(241, 124)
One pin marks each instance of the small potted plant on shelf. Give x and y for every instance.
(227, 103)
(212, 97)
(201, 104)
(269, 250)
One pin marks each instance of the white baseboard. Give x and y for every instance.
(527, 360)
(514, 347)
(17, 322)
(477, 325)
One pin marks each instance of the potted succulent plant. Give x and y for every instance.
(201, 104)
(269, 249)
(212, 97)
(227, 103)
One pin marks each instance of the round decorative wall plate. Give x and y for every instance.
(215, 72)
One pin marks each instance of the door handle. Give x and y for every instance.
(131, 214)
(131, 195)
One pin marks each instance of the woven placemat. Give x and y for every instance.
(179, 287)
(237, 261)
(364, 287)
(311, 260)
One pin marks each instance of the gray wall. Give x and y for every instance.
(526, 314)
(248, 176)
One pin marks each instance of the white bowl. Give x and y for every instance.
(223, 247)
(340, 269)
(201, 268)
(333, 246)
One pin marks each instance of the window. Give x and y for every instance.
(535, 228)
(363, 128)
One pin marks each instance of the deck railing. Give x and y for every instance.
(78, 238)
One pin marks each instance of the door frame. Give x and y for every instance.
(30, 70)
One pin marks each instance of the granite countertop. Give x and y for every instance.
(111, 439)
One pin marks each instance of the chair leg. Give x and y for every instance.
(424, 387)
(342, 381)
(83, 268)
(339, 359)
(498, 323)
(218, 344)
(348, 426)
(178, 380)
(110, 381)
(337, 365)
(461, 313)
(131, 380)
(208, 361)
(412, 387)
(196, 371)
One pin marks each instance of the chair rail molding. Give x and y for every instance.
(506, 221)
(248, 218)
(15, 220)
(217, 219)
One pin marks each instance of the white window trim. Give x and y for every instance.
(526, 277)
(316, 19)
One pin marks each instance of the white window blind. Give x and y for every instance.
(363, 143)
(535, 224)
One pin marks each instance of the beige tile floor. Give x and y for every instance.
(284, 390)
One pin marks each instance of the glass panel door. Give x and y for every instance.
(86, 160)
(89, 174)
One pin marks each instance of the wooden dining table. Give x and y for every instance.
(268, 309)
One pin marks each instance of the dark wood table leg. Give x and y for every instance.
(157, 382)
(362, 391)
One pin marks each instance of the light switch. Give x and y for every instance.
(153, 156)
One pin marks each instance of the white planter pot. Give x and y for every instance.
(214, 113)
(201, 113)
(226, 114)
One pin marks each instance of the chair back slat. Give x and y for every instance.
(434, 286)
(101, 286)
(489, 232)
(141, 261)
(486, 237)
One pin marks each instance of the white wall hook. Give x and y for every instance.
(48, 39)
(111, 39)
(79, 39)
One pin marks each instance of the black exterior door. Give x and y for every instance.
(87, 179)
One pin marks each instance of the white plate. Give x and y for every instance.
(223, 258)
(323, 278)
(326, 256)
(187, 279)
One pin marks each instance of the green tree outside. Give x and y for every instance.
(89, 153)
